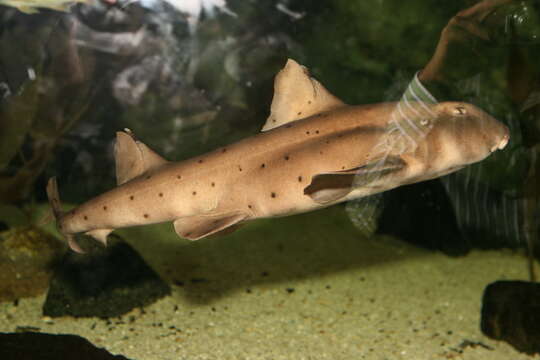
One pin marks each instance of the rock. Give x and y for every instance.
(26, 255)
(38, 346)
(511, 313)
(107, 283)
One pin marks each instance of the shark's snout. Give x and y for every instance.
(503, 141)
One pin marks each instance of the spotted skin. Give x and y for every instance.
(299, 165)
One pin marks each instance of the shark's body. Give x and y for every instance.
(314, 151)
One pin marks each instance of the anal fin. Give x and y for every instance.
(197, 227)
(99, 234)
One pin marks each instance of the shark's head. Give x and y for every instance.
(471, 132)
(459, 134)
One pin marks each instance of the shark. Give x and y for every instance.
(313, 151)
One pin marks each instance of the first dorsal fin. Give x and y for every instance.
(133, 158)
(297, 96)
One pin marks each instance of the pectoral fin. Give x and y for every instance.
(329, 187)
(197, 227)
(332, 186)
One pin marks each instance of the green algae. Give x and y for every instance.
(26, 256)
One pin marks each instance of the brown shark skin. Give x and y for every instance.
(238, 175)
(299, 166)
(265, 175)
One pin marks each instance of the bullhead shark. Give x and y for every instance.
(314, 151)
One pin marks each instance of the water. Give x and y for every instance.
(190, 76)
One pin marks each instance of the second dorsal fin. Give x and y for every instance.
(297, 96)
(133, 158)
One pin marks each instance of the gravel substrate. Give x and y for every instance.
(305, 287)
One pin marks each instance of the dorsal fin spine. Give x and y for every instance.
(297, 96)
(133, 158)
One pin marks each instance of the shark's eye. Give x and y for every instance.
(460, 111)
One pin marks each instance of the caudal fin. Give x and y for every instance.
(54, 201)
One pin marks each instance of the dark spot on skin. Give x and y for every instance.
(309, 102)
(85, 217)
(320, 152)
(160, 194)
(328, 141)
(200, 161)
(307, 132)
(224, 150)
(131, 197)
(343, 168)
(148, 177)
(187, 234)
(249, 206)
(213, 184)
(240, 168)
(262, 166)
(299, 179)
(299, 113)
(316, 131)
(460, 110)
(340, 135)
(286, 157)
(105, 208)
(273, 195)
(273, 120)
(194, 193)
(178, 176)
(146, 216)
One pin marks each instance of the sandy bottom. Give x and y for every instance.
(304, 287)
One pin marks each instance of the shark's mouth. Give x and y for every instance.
(502, 144)
(504, 141)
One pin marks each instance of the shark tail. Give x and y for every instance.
(54, 201)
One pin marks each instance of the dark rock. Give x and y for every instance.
(37, 346)
(106, 283)
(511, 312)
